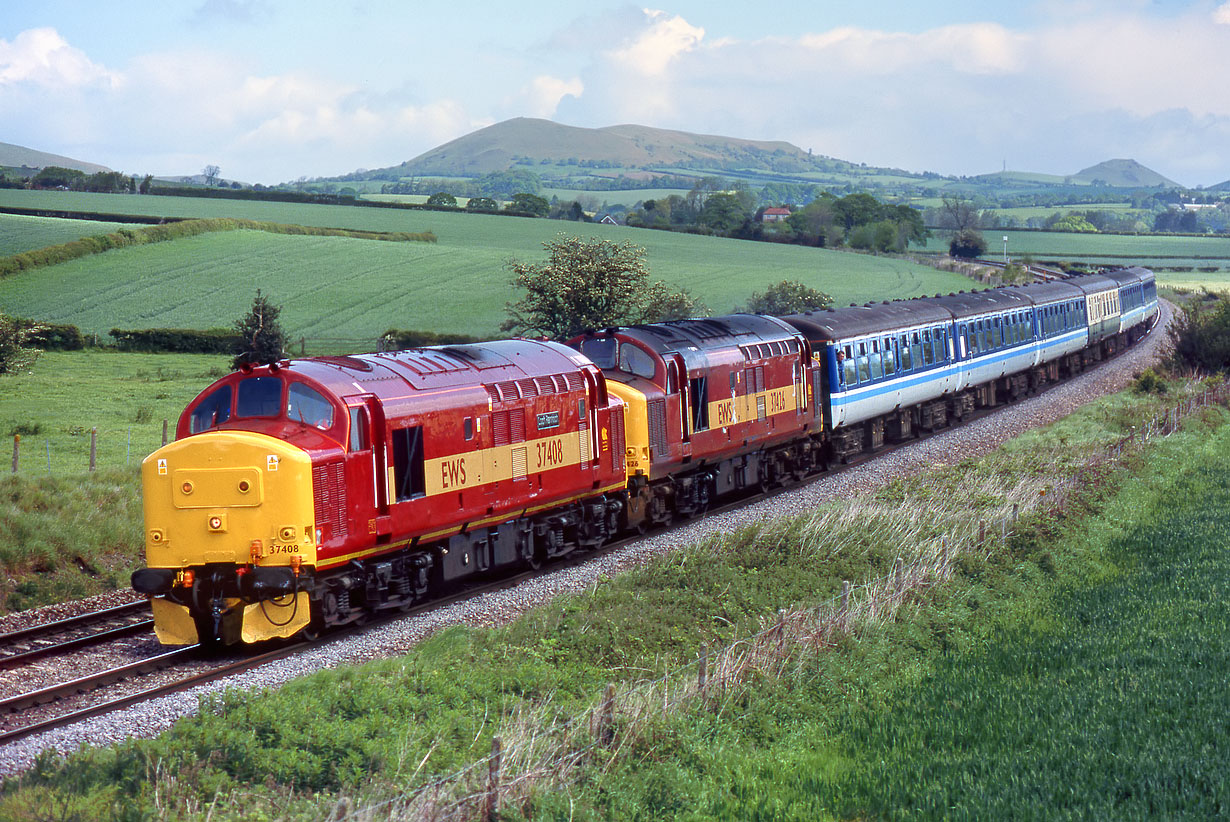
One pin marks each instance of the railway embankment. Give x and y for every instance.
(962, 554)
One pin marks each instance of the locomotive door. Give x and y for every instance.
(367, 463)
(677, 387)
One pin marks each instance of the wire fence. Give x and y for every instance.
(536, 752)
(88, 449)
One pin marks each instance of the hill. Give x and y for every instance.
(1125, 174)
(21, 157)
(522, 139)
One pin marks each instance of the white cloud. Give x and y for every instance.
(542, 96)
(42, 58)
(663, 40)
(1221, 14)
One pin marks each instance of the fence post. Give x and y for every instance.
(702, 676)
(606, 726)
(48, 444)
(303, 346)
(982, 532)
(16, 449)
(943, 555)
(845, 600)
(164, 432)
(1016, 511)
(899, 576)
(493, 781)
(93, 447)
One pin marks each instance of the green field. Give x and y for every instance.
(1155, 251)
(1195, 281)
(357, 289)
(20, 233)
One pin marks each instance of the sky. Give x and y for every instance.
(274, 90)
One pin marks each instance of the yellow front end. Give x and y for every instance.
(636, 427)
(230, 538)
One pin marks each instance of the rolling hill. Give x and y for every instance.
(13, 156)
(1124, 174)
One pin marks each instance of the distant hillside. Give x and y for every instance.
(525, 140)
(20, 156)
(1219, 187)
(1124, 173)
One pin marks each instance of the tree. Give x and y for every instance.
(968, 243)
(589, 283)
(1200, 336)
(528, 204)
(723, 212)
(14, 353)
(442, 198)
(787, 297)
(210, 173)
(57, 177)
(482, 204)
(261, 339)
(958, 213)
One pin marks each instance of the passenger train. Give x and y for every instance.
(319, 492)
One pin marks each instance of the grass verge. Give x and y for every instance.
(378, 729)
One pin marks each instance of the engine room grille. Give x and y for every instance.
(329, 489)
(617, 444)
(656, 410)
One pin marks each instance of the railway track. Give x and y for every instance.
(51, 638)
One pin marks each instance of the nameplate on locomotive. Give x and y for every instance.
(550, 420)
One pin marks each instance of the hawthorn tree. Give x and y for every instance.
(590, 283)
(967, 243)
(261, 339)
(787, 297)
(442, 198)
(15, 354)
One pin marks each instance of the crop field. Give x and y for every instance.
(344, 288)
(1026, 212)
(1218, 281)
(20, 233)
(1155, 251)
(627, 198)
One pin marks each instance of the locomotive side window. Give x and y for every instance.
(305, 404)
(601, 350)
(408, 463)
(635, 361)
(700, 403)
(468, 428)
(259, 397)
(213, 410)
(358, 430)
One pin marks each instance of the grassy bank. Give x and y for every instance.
(772, 749)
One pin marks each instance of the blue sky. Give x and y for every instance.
(271, 90)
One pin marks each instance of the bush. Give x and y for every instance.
(968, 243)
(1148, 382)
(177, 340)
(396, 340)
(1200, 336)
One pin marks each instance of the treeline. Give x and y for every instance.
(125, 237)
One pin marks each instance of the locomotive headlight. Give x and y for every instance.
(244, 486)
(186, 488)
(216, 522)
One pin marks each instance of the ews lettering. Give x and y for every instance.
(725, 412)
(453, 473)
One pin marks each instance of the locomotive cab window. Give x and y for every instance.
(408, 463)
(601, 350)
(635, 361)
(259, 397)
(305, 404)
(358, 429)
(213, 411)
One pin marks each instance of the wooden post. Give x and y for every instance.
(899, 575)
(493, 781)
(164, 432)
(943, 554)
(303, 346)
(845, 600)
(982, 532)
(16, 449)
(702, 675)
(93, 447)
(606, 725)
(1016, 511)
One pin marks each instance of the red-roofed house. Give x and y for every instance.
(774, 215)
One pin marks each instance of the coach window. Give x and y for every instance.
(259, 397)
(937, 340)
(907, 363)
(305, 404)
(851, 370)
(916, 350)
(877, 367)
(213, 411)
(890, 365)
(408, 463)
(864, 365)
(927, 352)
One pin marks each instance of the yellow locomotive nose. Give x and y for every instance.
(209, 500)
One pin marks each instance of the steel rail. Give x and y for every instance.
(40, 641)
